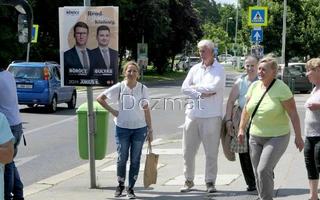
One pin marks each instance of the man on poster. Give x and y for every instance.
(106, 59)
(78, 59)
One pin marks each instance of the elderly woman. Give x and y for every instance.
(270, 130)
(312, 128)
(238, 93)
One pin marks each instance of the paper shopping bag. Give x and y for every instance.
(150, 168)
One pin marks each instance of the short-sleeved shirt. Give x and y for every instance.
(131, 103)
(8, 98)
(243, 86)
(5, 136)
(271, 118)
(312, 119)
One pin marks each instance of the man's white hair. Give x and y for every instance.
(207, 43)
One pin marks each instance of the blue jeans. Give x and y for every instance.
(13, 187)
(129, 139)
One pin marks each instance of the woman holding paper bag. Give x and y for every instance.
(133, 124)
(270, 104)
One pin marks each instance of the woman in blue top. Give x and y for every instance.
(238, 93)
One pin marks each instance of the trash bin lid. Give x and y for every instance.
(83, 108)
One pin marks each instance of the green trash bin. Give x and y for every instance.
(101, 136)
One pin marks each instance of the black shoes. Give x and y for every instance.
(130, 194)
(119, 191)
(251, 188)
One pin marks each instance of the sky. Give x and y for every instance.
(226, 1)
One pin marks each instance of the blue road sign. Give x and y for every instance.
(216, 51)
(35, 29)
(256, 36)
(258, 16)
(33, 33)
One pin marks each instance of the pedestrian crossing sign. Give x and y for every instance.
(258, 16)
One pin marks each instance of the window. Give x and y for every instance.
(56, 73)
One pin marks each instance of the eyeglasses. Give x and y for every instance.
(81, 33)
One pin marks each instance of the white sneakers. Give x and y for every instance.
(189, 184)
(210, 187)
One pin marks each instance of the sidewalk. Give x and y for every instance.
(290, 178)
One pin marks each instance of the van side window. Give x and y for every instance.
(56, 73)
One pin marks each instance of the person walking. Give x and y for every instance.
(238, 93)
(312, 128)
(13, 186)
(270, 104)
(205, 85)
(133, 124)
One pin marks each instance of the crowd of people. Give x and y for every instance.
(260, 134)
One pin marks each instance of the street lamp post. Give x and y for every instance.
(24, 8)
(227, 35)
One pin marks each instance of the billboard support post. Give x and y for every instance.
(91, 129)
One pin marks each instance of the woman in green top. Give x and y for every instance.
(270, 129)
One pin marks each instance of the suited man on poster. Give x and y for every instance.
(106, 59)
(78, 61)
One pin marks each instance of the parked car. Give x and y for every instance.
(295, 73)
(39, 83)
(224, 57)
(183, 63)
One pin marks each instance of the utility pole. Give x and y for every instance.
(227, 36)
(284, 26)
(236, 31)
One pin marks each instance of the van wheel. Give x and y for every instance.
(72, 103)
(53, 106)
(30, 105)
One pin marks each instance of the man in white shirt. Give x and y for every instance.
(205, 85)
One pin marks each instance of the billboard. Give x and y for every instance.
(142, 56)
(89, 45)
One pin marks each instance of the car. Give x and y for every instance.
(295, 74)
(224, 57)
(194, 60)
(231, 62)
(185, 62)
(39, 83)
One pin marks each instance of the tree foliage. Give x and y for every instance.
(171, 27)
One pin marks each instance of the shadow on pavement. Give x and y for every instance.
(285, 192)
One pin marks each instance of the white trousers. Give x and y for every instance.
(207, 131)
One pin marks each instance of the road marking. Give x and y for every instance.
(47, 126)
(21, 161)
(159, 95)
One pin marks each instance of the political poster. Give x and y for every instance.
(142, 56)
(89, 45)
